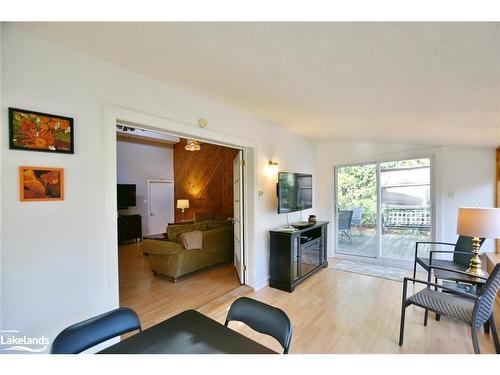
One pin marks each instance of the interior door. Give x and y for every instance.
(161, 205)
(238, 212)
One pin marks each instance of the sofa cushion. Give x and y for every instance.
(161, 247)
(173, 231)
(191, 240)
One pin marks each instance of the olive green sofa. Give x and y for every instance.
(168, 256)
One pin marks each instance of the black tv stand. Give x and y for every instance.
(297, 254)
(129, 228)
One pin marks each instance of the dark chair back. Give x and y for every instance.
(344, 219)
(464, 244)
(487, 295)
(357, 212)
(263, 318)
(81, 336)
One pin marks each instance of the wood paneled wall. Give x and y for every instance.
(204, 177)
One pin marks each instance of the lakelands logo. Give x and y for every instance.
(13, 341)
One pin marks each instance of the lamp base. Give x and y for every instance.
(475, 268)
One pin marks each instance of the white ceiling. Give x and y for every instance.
(418, 83)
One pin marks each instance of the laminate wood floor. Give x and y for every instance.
(341, 312)
(331, 312)
(156, 298)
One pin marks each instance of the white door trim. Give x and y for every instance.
(112, 114)
(149, 181)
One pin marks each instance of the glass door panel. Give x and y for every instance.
(405, 203)
(357, 210)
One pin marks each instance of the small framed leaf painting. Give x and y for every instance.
(41, 184)
(37, 131)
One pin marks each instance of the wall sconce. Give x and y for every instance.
(272, 168)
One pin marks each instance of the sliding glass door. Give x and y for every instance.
(405, 202)
(383, 208)
(357, 210)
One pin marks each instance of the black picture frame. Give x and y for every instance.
(13, 146)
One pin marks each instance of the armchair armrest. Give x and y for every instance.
(159, 247)
(451, 290)
(457, 271)
(430, 243)
(435, 243)
(432, 252)
(450, 252)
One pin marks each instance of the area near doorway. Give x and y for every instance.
(188, 197)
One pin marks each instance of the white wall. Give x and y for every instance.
(140, 161)
(54, 259)
(2, 126)
(464, 176)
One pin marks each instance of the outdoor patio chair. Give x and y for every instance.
(356, 216)
(344, 220)
(462, 254)
(473, 309)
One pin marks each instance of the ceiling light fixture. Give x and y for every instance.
(192, 145)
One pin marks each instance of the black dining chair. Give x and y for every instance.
(262, 318)
(88, 333)
(475, 310)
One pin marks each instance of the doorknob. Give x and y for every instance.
(151, 214)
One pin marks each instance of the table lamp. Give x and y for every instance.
(478, 223)
(183, 204)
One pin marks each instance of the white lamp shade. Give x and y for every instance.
(479, 222)
(183, 203)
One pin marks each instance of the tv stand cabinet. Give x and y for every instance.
(129, 228)
(297, 254)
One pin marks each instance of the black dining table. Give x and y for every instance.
(189, 332)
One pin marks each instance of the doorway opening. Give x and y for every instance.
(189, 202)
(383, 208)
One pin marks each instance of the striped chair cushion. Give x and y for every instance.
(444, 304)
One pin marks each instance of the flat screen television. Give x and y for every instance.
(125, 195)
(294, 192)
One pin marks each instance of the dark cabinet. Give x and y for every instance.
(129, 228)
(297, 254)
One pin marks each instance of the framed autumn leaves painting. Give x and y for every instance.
(36, 131)
(41, 184)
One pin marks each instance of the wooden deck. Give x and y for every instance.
(396, 246)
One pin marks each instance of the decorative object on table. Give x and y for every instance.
(476, 310)
(462, 254)
(183, 204)
(382, 272)
(37, 131)
(41, 184)
(476, 223)
(312, 219)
